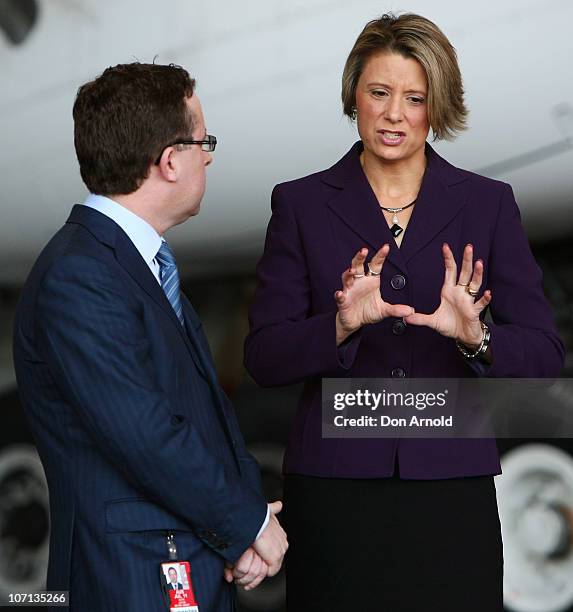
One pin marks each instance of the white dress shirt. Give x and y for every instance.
(145, 239)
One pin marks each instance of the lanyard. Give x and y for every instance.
(171, 546)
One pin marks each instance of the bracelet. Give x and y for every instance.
(482, 348)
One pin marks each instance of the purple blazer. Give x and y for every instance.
(318, 223)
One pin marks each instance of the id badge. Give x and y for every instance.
(176, 581)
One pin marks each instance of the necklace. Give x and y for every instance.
(396, 229)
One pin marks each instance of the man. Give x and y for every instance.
(115, 372)
(173, 583)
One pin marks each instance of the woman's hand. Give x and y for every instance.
(360, 302)
(457, 316)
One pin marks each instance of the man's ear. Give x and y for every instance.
(167, 167)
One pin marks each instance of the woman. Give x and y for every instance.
(403, 524)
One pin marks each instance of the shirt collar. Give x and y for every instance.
(145, 239)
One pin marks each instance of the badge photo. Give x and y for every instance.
(177, 585)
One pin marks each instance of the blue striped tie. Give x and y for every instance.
(170, 278)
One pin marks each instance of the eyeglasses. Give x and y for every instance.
(208, 145)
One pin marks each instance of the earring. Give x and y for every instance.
(353, 113)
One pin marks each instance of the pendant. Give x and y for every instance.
(395, 219)
(396, 230)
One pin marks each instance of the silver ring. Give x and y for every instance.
(372, 273)
(358, 275)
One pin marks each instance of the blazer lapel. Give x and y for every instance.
(357, 206)
(439, 201)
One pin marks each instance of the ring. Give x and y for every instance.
(358, 275)
(472, 292)
(372, 273)
(464, 284)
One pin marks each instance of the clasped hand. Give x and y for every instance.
(360, 302)
(264, 557)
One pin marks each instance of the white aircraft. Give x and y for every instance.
(269, 74)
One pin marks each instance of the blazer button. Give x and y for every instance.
(398, 327)
(398, 373)
(398, 282)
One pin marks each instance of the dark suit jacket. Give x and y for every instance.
(170, 586)
(134, 431)
(318, 223)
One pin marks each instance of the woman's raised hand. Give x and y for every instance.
(360, 301)
(457, 316)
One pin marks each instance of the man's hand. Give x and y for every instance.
(249, 571)
(263, 558)
(272, 544)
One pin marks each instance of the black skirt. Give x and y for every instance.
(392, 545)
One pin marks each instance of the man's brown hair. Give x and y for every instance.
(412, 36)
(124, 119)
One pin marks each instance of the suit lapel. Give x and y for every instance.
(109, 233)
(130, 259)
(192, 322)
(439, 201)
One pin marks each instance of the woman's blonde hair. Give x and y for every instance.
(414, 37)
